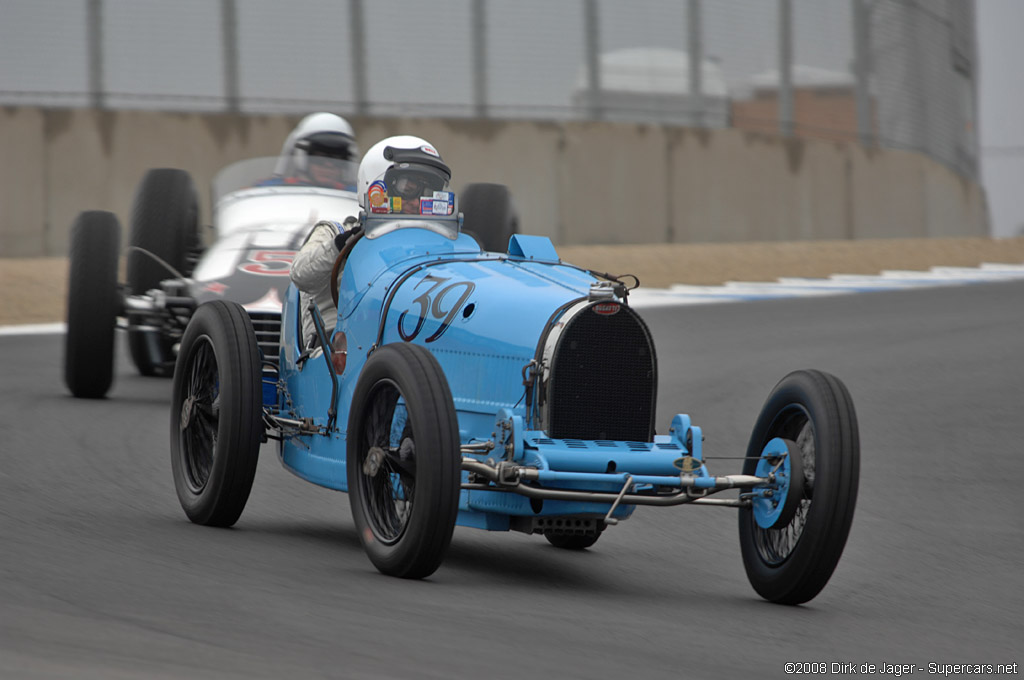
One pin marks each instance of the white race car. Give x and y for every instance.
(259, 221)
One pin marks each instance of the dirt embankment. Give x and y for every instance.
(661, 265)
(34, 290)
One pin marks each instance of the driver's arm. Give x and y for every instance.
(311, 267)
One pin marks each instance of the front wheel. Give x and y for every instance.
(792, 560)
(93, 302)
(403, 461)
(164, 230)
(216, 414)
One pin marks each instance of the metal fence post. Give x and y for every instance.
(357, 41)
(479, 41)
(97, 88)
(696, 93)
(786, 68)
(229, 34)
(862, 70)
(922, 111)
(592, 41)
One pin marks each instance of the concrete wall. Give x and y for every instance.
(577, 183)
(23, 182)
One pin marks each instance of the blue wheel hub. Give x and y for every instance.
(774, 503)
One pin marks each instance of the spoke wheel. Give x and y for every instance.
(791, 563)
(200, 417)
(387, 483)
(403, 461)
(216, 414)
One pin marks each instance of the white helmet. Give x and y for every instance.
(318, 134)
(403, 167)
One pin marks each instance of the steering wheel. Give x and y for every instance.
(339, 264)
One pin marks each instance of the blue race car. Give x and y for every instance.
(497, 390)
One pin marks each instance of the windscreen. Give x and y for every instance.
(330, 173)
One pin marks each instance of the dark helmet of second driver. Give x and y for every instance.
(320, 150)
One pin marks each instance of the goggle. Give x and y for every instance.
(409, 187)
(324, 162)
(414, 183)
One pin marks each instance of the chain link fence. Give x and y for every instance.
(893, 73)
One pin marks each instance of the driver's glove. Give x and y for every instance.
(342, 237)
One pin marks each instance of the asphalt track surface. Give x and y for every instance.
(102, 576)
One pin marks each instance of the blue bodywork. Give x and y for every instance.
(481, 314)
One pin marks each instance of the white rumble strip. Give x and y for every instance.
(838, 284)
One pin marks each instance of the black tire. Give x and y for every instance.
(791, 564)
(571, 541)
(165, 224)
(489, 215)
(404, 462)
(93, 303)
(216, 414)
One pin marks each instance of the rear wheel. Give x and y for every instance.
(164, 231)
(489, 215)
(792, 560)
(93, 301)
(216, 414)
(403, 461)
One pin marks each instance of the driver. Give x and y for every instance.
(402, 174)
(320, 151)
(405, 175)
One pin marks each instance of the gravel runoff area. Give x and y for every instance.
(33, 290)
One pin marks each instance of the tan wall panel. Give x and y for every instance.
(887, 194)
(23, 227)
(612, 184)
(732, 186)
(954, 204)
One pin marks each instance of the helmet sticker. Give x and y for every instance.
(378, 197)
(437, 206)
(444, 202)
(430, 150)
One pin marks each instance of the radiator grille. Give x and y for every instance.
(268, 333)
(603, 379)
